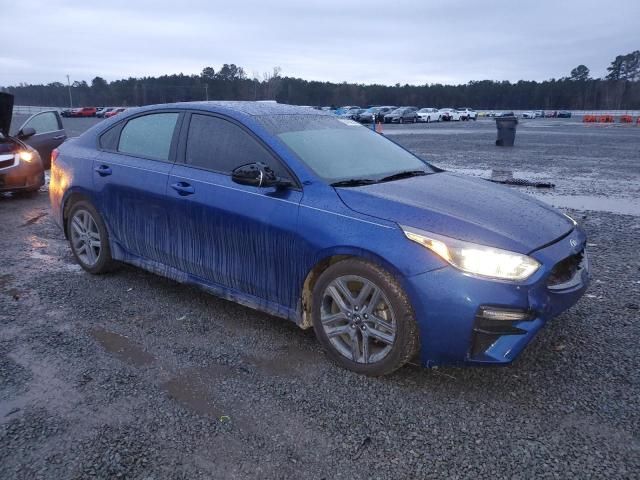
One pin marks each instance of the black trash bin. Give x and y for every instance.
(506, 131)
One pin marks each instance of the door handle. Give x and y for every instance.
(103, 170)
(183, 188)
(60, 137)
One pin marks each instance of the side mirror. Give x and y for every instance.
(258, 175)
(26, 132)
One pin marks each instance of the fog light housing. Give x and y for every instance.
(504, 314)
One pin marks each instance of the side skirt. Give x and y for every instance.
(251, 301)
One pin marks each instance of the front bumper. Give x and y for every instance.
(447, 305)
(22, 176)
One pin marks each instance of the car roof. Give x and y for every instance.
(243, 107)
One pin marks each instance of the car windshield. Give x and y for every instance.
(398, 110)
(338, 150)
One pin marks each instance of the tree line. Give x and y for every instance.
(619, 90)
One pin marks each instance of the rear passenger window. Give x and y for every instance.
(221, 146)
(149, 136)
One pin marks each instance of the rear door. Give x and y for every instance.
(130, 179)
(238, 236)
(49, 134)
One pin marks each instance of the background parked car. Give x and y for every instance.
(352, 113)
(449, 115)
(467, 113)
(402, 115)
(528, 114)
(25, 156)
(104, 111)
(113, 112)
(428, 115)
(83, 112)
(563, 114)
(376, 113)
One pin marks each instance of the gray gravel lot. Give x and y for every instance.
(130, 375)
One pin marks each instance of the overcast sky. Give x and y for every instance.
(392, 41)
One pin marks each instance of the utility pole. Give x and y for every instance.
(206, 91)
(70, 99)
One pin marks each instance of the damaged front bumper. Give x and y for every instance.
(451, 307)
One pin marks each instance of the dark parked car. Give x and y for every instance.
(564, 114)
(25, 156)
(374, 113)
(352, 113)
(402, 115)
(323, 222)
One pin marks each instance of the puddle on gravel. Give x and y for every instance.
(194, 388)
(34, 219)
(619, 205)
(123, 348)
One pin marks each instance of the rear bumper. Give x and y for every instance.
(447, 305)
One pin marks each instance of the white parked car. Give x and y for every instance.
(428, 115)
(449, 115)
(467, 113)
(528, 114)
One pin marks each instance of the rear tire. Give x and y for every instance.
(370, 330)
(89, 238)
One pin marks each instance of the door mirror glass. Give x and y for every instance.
(26, 132)
(258, 175)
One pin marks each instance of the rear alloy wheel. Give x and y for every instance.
(88, 238)
(363, 318)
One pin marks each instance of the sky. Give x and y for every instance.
(386, 42)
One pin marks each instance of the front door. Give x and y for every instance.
(49, 134)
(237, 236)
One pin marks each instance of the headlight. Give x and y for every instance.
(476, 259)
(25, 155)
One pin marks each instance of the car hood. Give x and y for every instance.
(462, 207)
(6, 111)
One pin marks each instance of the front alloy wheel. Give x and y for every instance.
(363, 318)
(358, 319)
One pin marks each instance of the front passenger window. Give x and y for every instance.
(219, 145)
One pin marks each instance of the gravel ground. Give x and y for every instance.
(130, 375)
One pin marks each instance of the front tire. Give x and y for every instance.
(363, 318)
(89, 238)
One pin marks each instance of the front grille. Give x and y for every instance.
(7, 163)
(566, 269)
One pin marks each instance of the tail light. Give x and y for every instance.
(54, 155)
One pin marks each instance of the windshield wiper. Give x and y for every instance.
(406, 174)
(353, 182)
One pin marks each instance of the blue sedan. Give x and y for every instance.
(324, 222)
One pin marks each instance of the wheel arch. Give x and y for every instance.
(70, 199)
(325, 260)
